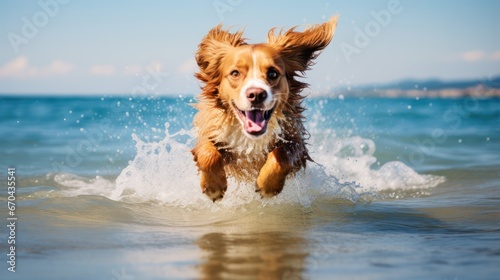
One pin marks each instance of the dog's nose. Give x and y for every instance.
(256, 95)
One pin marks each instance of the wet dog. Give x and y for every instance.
(250, 112)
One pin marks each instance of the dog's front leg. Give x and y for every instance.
(213, 177)
(280, 162)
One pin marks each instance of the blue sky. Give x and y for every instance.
(102, 47)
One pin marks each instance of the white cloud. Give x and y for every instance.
(479, 55)
(153, 67)
(102, 70)
(473, 56)
(495, 55)
(20, 68)
(156, 66)
(188, 67)
(58, 67)
(132, 69)
(15, 67)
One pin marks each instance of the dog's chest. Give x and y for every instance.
(244, 157)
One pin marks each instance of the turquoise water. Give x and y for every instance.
(106, 189)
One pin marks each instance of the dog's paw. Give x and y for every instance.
(214, 194)
(269, 186)
(264, 193)
(213, 186)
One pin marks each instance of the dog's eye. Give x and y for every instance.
(235, 74)
(272, 74)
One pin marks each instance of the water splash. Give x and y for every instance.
(351, 159)
(164, 172)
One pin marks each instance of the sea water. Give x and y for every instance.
(106, 188)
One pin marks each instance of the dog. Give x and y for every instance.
(250, 109)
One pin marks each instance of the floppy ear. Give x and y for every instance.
(212, 49)
(299, 49)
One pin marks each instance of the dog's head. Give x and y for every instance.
(255, 81)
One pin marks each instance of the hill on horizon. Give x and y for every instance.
(433, 84)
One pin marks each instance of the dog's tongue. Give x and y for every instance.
(255, 121)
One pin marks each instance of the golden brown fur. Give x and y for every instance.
(249, 120)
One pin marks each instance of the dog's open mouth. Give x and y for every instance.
(255, 120)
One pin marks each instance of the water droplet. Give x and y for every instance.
(459, 141)
(409, 107)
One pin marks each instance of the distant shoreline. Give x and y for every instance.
(478, 91)
(431, 88)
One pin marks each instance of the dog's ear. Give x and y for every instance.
(212, 49)
(299, 49)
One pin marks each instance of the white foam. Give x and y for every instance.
(164, 171)
(351, 160)
(76, 185)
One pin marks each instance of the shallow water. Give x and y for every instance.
(107, 189)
